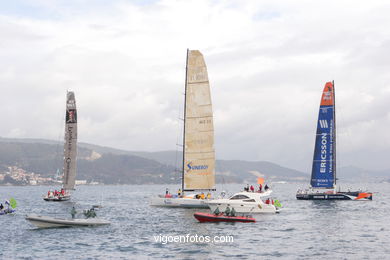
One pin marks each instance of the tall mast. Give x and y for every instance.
(334, 135)
(184, 128)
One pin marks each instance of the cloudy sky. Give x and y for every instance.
(267, 60)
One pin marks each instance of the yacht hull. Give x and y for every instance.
(336, 196)
(58, 198)
(179, 203)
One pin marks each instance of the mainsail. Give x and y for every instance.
(70, 145)
(198, 150)
(323, 173)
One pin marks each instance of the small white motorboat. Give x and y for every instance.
(49, 222)
(244, 202)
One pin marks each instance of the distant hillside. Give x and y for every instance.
(351, 173)
(109, 165)
(245, 171)
(45, 159)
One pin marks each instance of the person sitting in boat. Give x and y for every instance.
(260, 187)
(90, 213)
(48, 193)
(252, 188)
(1, 206)
(62, 192)
(233, 212)
(266, 187)
(267, 201)
(202, 196)
(227, 211)
(208, 195)
(166, 191)
(179, 192)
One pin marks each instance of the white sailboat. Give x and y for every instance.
(198, 172)
(70, 152)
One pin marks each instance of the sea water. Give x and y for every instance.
(302, 230)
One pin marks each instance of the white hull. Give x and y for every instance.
(49, 222)
(179, 202)
(244, 202)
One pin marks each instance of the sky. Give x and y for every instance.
(268, 62)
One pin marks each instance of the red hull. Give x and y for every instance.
(205, 217)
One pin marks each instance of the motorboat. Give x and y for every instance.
(206, 217)
(50, 222)
(245, 202)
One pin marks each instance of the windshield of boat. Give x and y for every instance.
(239, 197)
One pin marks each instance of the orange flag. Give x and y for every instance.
(260, 181)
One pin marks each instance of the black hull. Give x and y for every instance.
(338, 196)
(57, 199)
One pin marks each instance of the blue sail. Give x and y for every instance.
(323, 173)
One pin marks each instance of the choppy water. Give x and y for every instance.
(304, 229)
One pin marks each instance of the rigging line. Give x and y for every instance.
(60, 144)
(178, 138)
(345, 136)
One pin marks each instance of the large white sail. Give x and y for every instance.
(70, 145)
(199, 154)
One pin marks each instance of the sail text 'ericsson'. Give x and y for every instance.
(323, 153)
